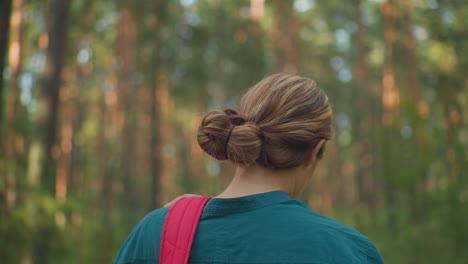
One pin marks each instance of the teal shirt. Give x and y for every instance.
(262, 228)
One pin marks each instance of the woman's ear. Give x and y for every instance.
(314, 154)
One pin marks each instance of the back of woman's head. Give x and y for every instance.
(280, 121)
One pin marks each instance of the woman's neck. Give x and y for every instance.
(255, 179)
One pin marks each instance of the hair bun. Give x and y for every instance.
(243, 145)
(236, 118)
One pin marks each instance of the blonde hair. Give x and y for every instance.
(280, 121)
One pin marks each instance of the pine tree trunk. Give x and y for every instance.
(66, 130)
(57, 36)
(157, 86)
(49, 102)
(126, 60)
(155, 134)
(8, 149)
(155, 157)
(390, 92)
(421, 110)
(285, 36)
(363, 120)
(390, 101)
(5, 13)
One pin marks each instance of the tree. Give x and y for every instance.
(57, 36)
(5, 12)
(390, 93)
(48, 122)
(284, 35)
(126, 85)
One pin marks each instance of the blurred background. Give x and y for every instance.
(100, 102)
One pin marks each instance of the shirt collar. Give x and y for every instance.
(245, 203)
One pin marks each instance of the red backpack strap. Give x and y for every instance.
(179, 229)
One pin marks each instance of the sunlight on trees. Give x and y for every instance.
(100, 102)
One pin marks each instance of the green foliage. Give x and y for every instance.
(403, 183)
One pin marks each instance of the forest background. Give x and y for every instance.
(100, 102)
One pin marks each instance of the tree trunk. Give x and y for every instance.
(155, 133)
(48, 118)
(75, 75)
(285, 36)
(155, 157)
(8, 150)
(390, 93)
(219, 31)
(413, 74)
(157, 84)
(57, 35)
(421, 111)
(390, 103)
(66, 130)
(126, 60)
(363, 173)
(5, 13)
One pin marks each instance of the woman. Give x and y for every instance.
(275, 141)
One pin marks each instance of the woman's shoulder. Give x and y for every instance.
(156, 216)
(150, 225)
(333, 234)
(344, 236)
(144, 241)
